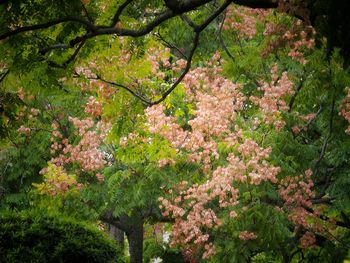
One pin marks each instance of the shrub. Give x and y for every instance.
(39, 237)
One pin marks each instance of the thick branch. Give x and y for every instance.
(88, 25)
(257, 3)
(43, 51)
(198, 29)
(108, 217)
(179, 6)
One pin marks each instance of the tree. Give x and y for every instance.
(229, 142)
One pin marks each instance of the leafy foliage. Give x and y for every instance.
(32, 236)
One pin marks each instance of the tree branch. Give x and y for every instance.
(229, 54)
(292, 99)
(187, 68)
(16, 31)
(69, 60)
(265, 4)
(3, 76)
(120, 10)
(86, 12)
(165, 94)
(172, 46)
(216, 13)
(114, 84)
(325, 143)
(108, 217)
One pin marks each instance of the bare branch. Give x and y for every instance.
(188, 20)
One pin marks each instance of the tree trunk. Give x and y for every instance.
(118, 235)
(135, 239)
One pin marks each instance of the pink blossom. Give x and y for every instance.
(24, 130)
(246, 235)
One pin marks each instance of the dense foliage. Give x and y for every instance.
(41, 237)
(203, 131)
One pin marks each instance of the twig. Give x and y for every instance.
(325, 143)
(292, 99)
(169, 45)
(120, 10)
(3, 76)
(69, 60)
(187, 68)
(114, 84)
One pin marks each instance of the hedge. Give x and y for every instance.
(39, 237)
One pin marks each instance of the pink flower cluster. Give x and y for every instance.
(158, 58)
(190, 207)
(272, 102)
(298, 38)
(244, 20)
(252, 167)
(34, 111)
(296, 129)
(24, 130)
(345, 110)
(165, 126)
(134, 138)
(307, 240)
(21, 94)
(93, 107)
(216, 102)
(308, 117)
(188, 226)
(296, 192)
(86, 153)
(164, 162)
(246, 235)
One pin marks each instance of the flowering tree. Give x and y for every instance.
(231, 143)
